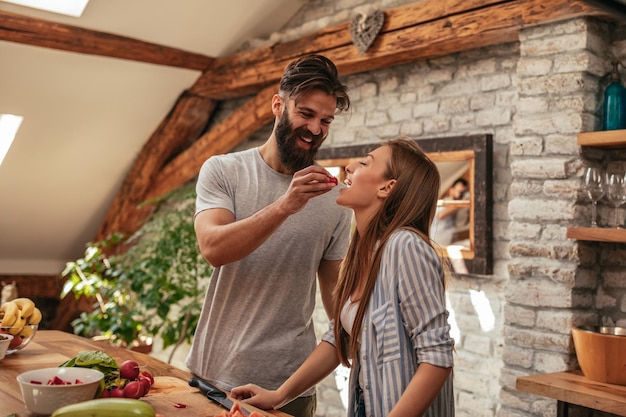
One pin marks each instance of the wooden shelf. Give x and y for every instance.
(615, 139)
(574, 388)
(597, 234)
(603, 139)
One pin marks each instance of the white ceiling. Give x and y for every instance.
(86, 117)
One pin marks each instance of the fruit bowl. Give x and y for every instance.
(22, 335)
(45, 390)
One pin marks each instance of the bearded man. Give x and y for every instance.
(266, 219)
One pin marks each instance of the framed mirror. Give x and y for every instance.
(469, 246)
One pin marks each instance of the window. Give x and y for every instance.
(68, 7)
(9, 124)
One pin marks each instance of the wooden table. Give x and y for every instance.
(573, 388)
(50, 348)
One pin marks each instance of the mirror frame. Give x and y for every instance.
(478, 149)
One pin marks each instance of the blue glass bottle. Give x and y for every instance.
(614, 111)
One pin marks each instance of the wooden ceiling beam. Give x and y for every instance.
(425, 29)
(172, 156)
(249, 118)
(180, 128)
(38, 32)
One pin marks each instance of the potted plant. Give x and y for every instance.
(153, 289)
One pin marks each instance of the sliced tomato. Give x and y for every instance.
(56, 381)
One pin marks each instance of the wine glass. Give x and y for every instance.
(616, 192)
(593, 186)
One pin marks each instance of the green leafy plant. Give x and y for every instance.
(153, 289)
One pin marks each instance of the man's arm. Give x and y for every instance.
(223, 240)
(327, 275)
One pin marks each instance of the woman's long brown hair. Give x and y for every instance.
(411, 204)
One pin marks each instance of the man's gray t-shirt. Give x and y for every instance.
(256, 323)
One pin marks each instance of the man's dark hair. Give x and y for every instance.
(313, 72)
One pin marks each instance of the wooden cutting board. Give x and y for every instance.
(168, 391)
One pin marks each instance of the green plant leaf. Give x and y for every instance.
(150, 289)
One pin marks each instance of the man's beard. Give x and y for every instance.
(292, 156)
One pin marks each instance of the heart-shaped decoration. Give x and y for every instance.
(364, 28)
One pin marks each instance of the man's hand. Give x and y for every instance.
(306, 184)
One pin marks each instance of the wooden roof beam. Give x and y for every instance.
(48, 34)
(250, 117)
(425, 29)
(182, 126)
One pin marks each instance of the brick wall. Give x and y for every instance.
(533, 96)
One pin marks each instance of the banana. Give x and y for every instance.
(18, 326)
(11, 313)
(26, 306)
(34, 318)
(107, 407)
(27, 332)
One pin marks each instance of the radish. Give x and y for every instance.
(117, 392)
(133, 389)
(147, 375)
(129, 370)
(145, 384)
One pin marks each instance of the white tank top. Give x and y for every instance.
(348, 314)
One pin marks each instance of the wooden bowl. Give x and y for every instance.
(602, 356)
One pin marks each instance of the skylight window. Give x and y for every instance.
(9, 124)
(68, 7)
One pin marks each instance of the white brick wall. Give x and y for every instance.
(533, 97)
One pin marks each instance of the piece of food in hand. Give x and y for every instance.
(334, 180)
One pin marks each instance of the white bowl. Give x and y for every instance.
(45, 399)
(5, 341)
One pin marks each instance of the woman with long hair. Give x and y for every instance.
(389, 323)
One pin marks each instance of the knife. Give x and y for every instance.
(214, 394)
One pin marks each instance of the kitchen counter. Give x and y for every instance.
(50, 348)
(574, 388)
